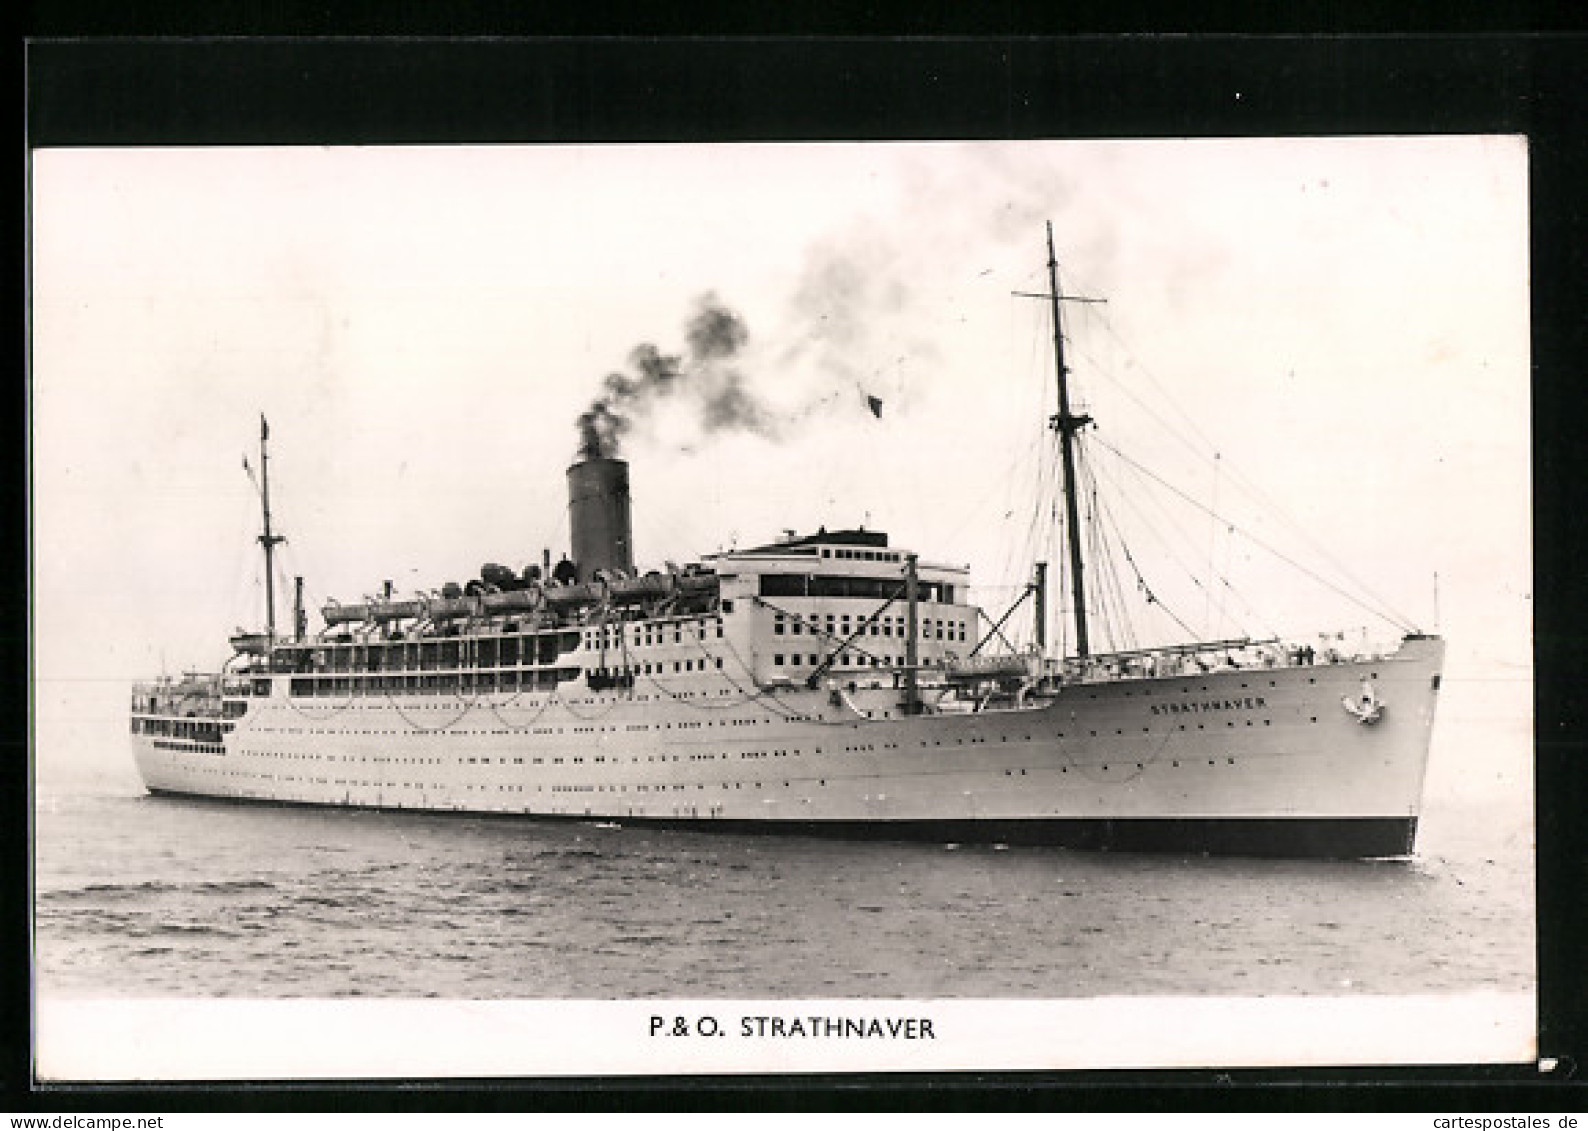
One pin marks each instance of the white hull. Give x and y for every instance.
(1254, 759)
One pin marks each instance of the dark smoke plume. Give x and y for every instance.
(723, 400)
(715, 332)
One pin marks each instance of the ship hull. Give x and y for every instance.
(1314, 838)
(1253, 761)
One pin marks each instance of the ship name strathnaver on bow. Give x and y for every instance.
(831, 683)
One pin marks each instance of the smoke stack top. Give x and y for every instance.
(598, 517)
(703, 375)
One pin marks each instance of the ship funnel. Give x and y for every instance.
(598, 516)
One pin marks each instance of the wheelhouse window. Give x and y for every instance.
(869, 588)
(784, 585)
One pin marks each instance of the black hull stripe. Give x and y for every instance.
(1316, 837)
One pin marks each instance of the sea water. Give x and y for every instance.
(143, 896)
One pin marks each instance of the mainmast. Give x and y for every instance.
(268, 540)
(1067, 424)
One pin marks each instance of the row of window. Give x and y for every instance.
(195, 730)
(481, 651)
(860, 555)
(190, 747)
(649, 634)
(339, 686)
(656, 667)
(356, 710)
(484, 681)
(594, 788)
(424, 655)
(845, 660)
(873, 588)
(838, 627)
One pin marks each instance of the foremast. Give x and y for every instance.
(1067, 424)
(268, 539)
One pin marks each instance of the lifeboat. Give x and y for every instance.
(345, 614)
(251, 644)
(637, 590)
(990, 667)
(513, 600)
(565, 596)
(397, 610)
(454, 608)
(696, 583)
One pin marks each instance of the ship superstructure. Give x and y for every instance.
(830, 682)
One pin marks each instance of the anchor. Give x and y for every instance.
(1367, 708)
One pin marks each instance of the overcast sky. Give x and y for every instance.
(1343, 322)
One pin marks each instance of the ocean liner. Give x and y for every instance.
(827, 683)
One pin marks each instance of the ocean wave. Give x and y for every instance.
(316, 899)
(182, 929)
(235, 885)
(100, 891)
(154, 887)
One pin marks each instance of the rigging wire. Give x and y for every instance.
(1130, 638)
(1232, 474)
(1316, 546)
(1106, 539)
(1165, 398)
(1030, 495)
(1141, 582)
(1223, 576)
(1130, 499)
(1026, 503)
(1213, 537)
(1112, 603)
(1061, 533)
(1152, 598)
(1086, 490)
(1383, 613)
